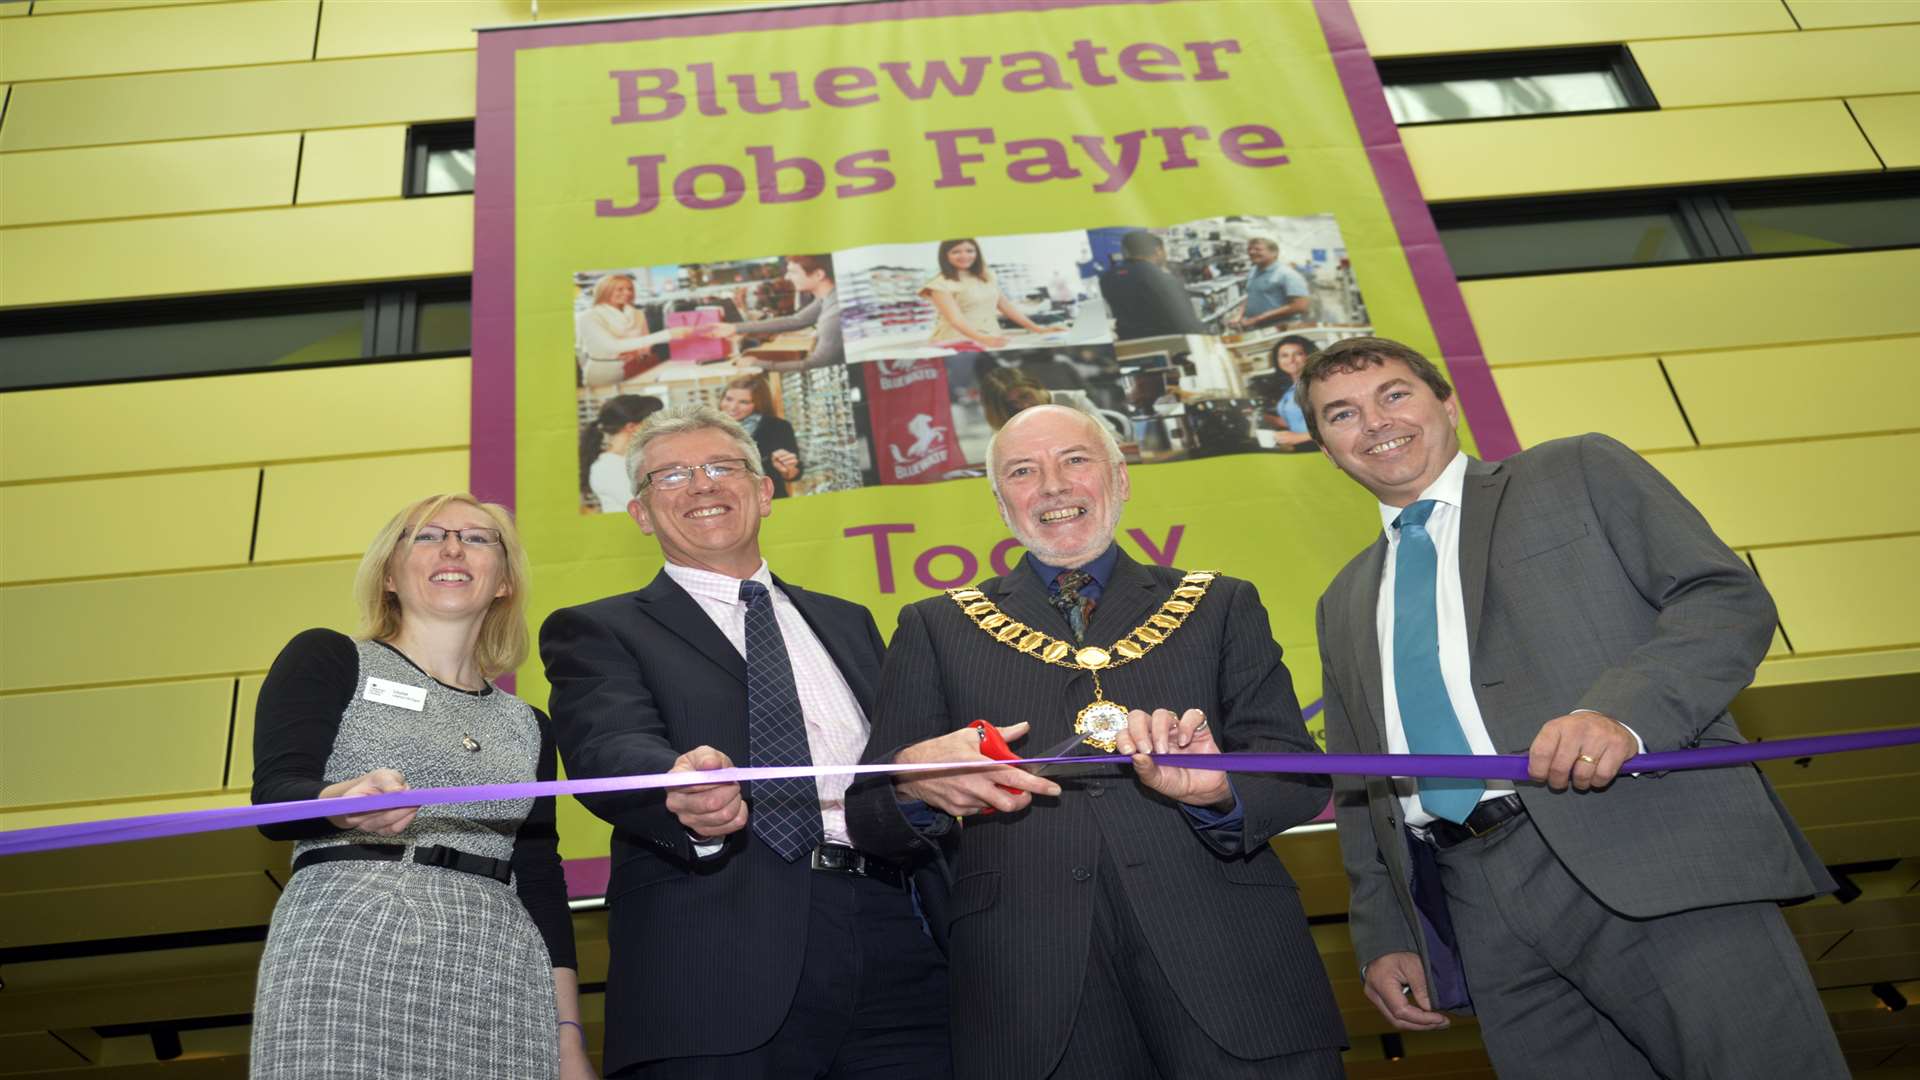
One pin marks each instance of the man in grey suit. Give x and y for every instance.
(1567, 603)
(1125, 924)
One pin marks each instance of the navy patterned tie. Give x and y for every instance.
(1078, 609)
(1426, 712)
(784, 813)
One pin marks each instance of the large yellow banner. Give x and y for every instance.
(874, 231)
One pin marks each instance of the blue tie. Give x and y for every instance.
(1426, 713)
(785, 813)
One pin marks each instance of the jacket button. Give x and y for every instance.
(1096, 790)
(1081, 873)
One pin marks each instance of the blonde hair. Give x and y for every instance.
(604, 286)
(502, 644)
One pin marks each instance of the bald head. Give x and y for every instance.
(1060, 482)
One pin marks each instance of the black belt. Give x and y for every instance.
(446, 858)
(841, 859)
(1486, 817)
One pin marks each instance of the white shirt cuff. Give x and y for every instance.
(706, 849)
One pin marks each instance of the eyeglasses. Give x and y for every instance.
(677, 476)
(434, 534)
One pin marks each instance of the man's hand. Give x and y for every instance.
(1584, 748)
(970, 791)
(1397, 986)
(1163, 733)
(708, 811)
(383, 822)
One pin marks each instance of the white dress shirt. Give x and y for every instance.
(836, 728)
(1456, 669)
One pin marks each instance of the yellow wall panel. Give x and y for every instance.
(174, 178)
(1822, 14)
(1661, 310)
(69, 7)
(321, 412)
(334, 508)
(135, 741)
(240, 101)
(1855, 595)
(132, 525)
(158, 39)
(1892, 125)
(166, 625)
(1420, 27)
(1801, 492)
(401, 26)
(1800, 391)
(1635, 149)
(240, 756)
(353, 163)
(1781, 67)
(1627, 399)
(246, 249)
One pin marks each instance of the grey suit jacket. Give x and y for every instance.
(1228, 930)
(1589, 583)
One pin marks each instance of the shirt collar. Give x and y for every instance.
(1446, 489)
(1101, 568)
(708, 585)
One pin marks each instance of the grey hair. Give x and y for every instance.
(1272, 244)
(1108, 443)
(680, 421)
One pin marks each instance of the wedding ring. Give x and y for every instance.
(1589, 759)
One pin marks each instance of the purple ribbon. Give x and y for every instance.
(1468, 766)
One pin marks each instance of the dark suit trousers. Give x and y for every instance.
(1565, 988)
(1132, 1026)
(872, 999)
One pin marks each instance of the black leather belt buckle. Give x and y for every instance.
(1486, 817)
(841, 859)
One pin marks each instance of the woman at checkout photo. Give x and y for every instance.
(429, 941)
(612, 338)
(811, 277)
(970, 303)
(1288, 421)
(603, 450)
(749, 400)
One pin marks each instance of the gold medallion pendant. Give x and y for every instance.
(1102, 721)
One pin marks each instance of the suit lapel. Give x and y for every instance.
(666, 603)
(835, 637)
(1363, 614)
(1480, 504)
(1021, 595)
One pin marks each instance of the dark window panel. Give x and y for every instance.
(1499, 86)
(1774, 227)
(440, 159)
(445, 325)
(1538, 246)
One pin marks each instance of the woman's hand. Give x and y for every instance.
(787, 464)
(382, 822)
(680, 333)
(721, 330)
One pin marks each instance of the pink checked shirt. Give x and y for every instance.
(836, 728)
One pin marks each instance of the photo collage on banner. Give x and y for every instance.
(895, 363)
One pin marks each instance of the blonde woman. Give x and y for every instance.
(417, 942)
(614, 344)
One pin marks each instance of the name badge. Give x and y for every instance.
(387, 692)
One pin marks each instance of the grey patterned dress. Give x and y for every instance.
(392, 969)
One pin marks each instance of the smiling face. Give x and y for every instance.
(707, 524)
(448, 580)
(1291, 357)
(1386, 428)
(962, 256)
(1260, 253)
(620, 293)
(737, 403)
(1056, 487)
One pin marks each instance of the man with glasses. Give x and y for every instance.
(748, 938)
